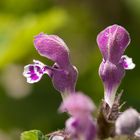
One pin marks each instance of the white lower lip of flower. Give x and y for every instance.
(129, 62)
(109, 96)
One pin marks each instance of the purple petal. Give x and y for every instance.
(52, 47)
(64, 80)
(84, 128)
(112, 42)
(77, 104)
(111, 76)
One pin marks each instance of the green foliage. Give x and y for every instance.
(16, 45)
(33, 135)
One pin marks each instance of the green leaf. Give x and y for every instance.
(33, 135)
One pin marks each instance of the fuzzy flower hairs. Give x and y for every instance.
(112, 42)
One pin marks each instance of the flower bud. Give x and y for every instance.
(128, 122)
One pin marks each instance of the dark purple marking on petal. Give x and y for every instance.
(75, 123)
(39, 69)
(31, 69)
(124, 63)
(34, 77)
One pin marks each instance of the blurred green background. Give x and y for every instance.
(24, 106)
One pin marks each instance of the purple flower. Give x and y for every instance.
(77, 104)
(62, 73)
(82, 128)
(112, 43)
(80, 125)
